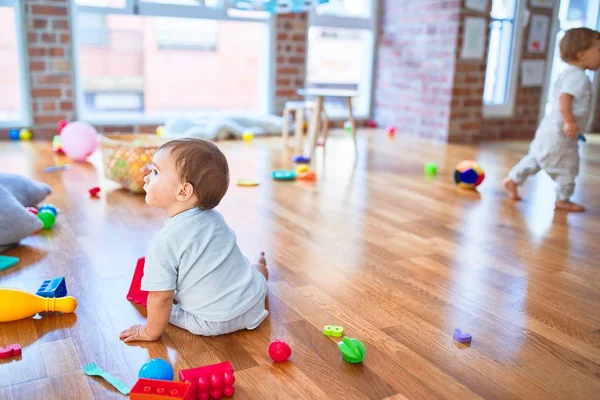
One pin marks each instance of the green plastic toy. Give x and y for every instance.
(431, 168)
(284, 175)
(6, 262)
(47, 218)
(353, 351)
(333, 330)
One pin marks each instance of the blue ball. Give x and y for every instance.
(157, 368)
(48, 207)
(13, 134)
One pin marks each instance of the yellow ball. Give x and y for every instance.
(248, 136)
(25, 134)
(301, 168)
(160, 130)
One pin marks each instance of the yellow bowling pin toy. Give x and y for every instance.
(17, 304)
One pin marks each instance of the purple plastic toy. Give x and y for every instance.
(462, 337)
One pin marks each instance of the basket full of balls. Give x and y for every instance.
(468, 174)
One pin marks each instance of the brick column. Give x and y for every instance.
(50, 61)
(290, 65)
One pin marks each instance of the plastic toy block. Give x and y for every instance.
(136, 294)
(56, 287)
(210, 382)
(352, 350)
(12, 350)
(152, 389)
(333, 330)
(301, 160)
(6, 262)
(94, 191)
(462, 337)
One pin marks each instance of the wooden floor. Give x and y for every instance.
(398, 260)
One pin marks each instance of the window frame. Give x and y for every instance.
(266, 87)
(26, 114)
(507, 109)
(359, 23)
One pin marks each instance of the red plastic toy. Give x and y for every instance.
(279, 351)
(391, 131)
(61, 125)
(153, 389)
(32, 210)
(136, 294)
(94, 191)
(210, 382)
(12, 350)
(371, 124)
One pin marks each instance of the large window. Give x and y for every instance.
(168, 59)
(503, 54)
(341, 43)
(14, 109)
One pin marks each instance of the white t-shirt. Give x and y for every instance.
(575, 82)
(196, 254)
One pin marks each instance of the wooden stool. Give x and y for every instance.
(299, 109)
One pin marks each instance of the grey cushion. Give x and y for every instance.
(15, 221)
(27, 192)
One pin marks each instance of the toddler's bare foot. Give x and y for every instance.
(261, 265)
(569, 206)
(511, 188)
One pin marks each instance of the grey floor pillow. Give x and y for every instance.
(27, 192)
(16, 222)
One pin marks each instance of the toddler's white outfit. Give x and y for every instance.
(551, 150)
(216, 288)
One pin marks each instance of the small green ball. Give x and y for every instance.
(47, 218)
(431, 168)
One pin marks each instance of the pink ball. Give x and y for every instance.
(279, 351)
(79, 140)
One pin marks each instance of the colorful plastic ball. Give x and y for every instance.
(32, 210)
(47, 218)
(468, 174)
(13, 134)
(348, 127)
(25, 134)
(391, 131)
(160, 130)
(248, 136)
(79, 140)
(157, 368)
(431, 169)
(61, 125)
(48, 207)
(279, 351)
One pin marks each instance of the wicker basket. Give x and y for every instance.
(125, 157)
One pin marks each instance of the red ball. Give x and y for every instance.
(279, 351)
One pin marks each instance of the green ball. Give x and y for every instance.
(47, 218)
(430, 169)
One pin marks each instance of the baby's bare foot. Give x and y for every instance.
(511, 188)
(261, 265)
(569, 206)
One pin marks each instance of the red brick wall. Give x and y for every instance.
(50, 61)
(415, 66)
(523, 123)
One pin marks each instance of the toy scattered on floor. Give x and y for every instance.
(6, 262)
(301, 168)
(333, 330)
(348, 127)
(17, 304)
(307, 176)
(301, 160)
(94, 191)
(353, 351)
(391, 131)
(32, 210)
(431, 169)
(210, 382)
(152, 389)
(248, 136)
(371, 124)
(13, 134)
(247, 182)
(462, 337)
(279, 351)
(160, 130)
(136, 294)
(79, 140)
(56, 168)
(12, 350)
(157, 368)
(276, 6)
(581, 138)
(468, 174)
(48, 207)
(47, 217)
(61, 125)
(25, 134)
(92, 369)
(56, 145)
(284, 175)
(56, 287)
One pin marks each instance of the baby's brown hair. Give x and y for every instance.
(201, 163)
(575, 41)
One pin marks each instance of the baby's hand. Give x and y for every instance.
(572, 130)
(136, 333)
